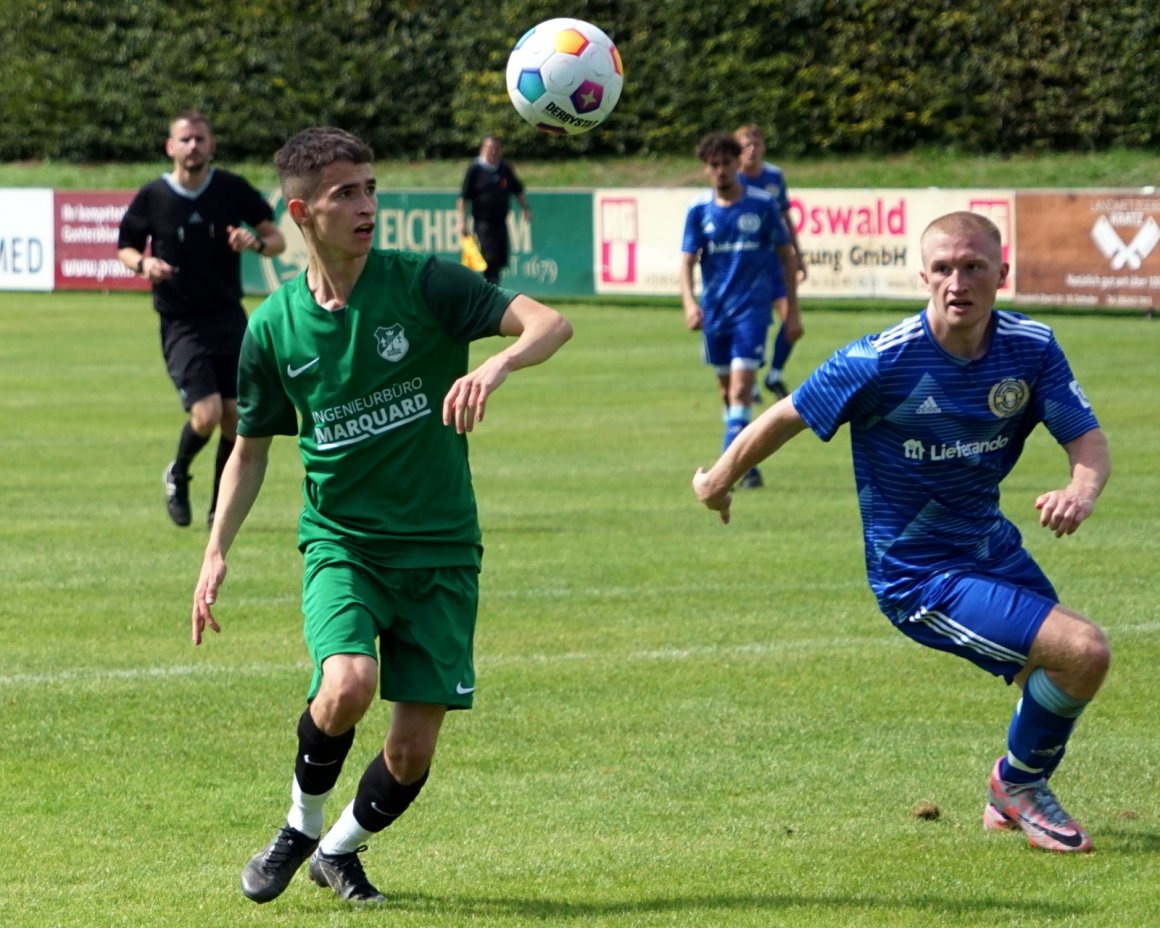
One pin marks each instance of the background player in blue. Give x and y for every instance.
(757, 172)
(191, 220)
(939, 407)
(737, 236)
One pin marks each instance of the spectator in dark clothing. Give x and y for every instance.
(490, 183)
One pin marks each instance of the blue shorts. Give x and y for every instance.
(990, 620)
(741, 339)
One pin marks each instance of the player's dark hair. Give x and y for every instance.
(717, 144)
(301, 161)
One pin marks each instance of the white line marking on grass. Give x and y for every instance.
(85, 675)
(753, 649)
(95, 675)
(1142, 628)
(886, 639)
(598, 594)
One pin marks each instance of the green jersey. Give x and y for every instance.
(362, 388)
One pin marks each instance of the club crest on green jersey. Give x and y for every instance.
(392, 342)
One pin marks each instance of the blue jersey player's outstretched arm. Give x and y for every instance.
(760, 439)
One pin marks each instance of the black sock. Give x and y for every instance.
(225, 446)
(320, 756)
(188, 446)
(381, 798)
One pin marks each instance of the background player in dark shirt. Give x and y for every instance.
(191, 221)
(490, 183)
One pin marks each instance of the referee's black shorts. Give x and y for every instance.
(493, 243)
(199, 369)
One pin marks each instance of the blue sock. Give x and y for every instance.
(1042, 723)
(782, 347)
(735, 420)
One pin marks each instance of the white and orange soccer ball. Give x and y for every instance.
(564, 76)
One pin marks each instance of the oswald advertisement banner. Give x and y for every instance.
(1089, 249)
(551, 255)
(857, 243)
(865, 243)
(26, 240)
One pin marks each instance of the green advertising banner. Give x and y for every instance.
(550, 256)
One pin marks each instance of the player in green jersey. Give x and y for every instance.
(364, 357)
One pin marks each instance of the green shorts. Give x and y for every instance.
(422, 619)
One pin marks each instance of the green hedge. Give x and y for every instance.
(89, 80)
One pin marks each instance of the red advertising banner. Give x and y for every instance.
(866, 243)
(857, 243)
(86, 241)
(1089, 249)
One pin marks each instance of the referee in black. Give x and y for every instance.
(195, 221)
(489, 184)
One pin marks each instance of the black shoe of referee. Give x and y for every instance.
(177, 495)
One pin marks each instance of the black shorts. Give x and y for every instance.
(493, 243)
(199, 370)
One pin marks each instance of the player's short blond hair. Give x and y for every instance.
(962, 223)
(749, 129)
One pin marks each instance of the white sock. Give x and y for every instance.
(346, 835)
(305, 813)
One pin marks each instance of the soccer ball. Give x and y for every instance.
(564, 76)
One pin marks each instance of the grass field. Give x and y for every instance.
(678, 723)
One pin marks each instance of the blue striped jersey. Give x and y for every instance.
(741, 272)
(932, 436)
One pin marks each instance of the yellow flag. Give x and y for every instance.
(470, 255)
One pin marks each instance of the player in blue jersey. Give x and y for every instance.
(757, 172)
(939, 407)
(737, 236)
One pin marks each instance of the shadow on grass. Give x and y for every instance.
(553, 909)
(1128, 842)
